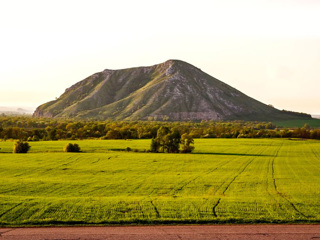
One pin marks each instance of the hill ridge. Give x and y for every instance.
(173, 90)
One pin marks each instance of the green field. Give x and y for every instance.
(223, 181)
(315, 123)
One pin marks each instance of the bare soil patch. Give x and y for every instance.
(203, 232)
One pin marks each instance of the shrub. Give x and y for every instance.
(71, 148)
(21, 147)
(128, 149)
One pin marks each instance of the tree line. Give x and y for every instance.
(35, 129)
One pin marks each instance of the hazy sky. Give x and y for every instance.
(269, 50)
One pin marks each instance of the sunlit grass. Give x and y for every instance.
(224, 180)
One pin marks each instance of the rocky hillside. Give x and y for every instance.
(173, 90)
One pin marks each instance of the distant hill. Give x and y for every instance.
(173, 90)
(15, 110)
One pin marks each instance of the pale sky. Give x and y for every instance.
(268, 49)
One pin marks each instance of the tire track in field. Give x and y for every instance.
(270, 166)
(206, 173)
(276, 186)
(209, 171)
(44, 166)
(268, 185)
(29, 206)
(309, 158)
(240, 167)
(227, 187)
(141, 210)
(292, 169)
(315, 155)
(96, 161)
(219, 187)
(138, 185)
(192, 180)
(219, 200)
(4, 213)
(201, 175)
(305, 167)
(13, 189)
(155, 209)
(68, 163)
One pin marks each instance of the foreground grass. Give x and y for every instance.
(235, 181)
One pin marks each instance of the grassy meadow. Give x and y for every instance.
(223, 181)
(315, 123)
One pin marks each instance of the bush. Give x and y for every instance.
(21, 147)
(71, 148)
(128, 149)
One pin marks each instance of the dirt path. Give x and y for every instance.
(204, 232)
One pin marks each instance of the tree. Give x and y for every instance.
(161, 134)
(52, 134)
(186, 141)
(21, 147)
(166, 141)
(306, 126)
(35, 138)
(172, 141)
(113, 134)
(154, 145)
(71, 148)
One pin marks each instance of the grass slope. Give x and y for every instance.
(225, 180)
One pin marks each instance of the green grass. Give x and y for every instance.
(224, 180)
(298, 123)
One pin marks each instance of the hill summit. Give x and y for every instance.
(173, 90)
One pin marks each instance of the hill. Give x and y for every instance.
(12, 111)
(173, 90)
